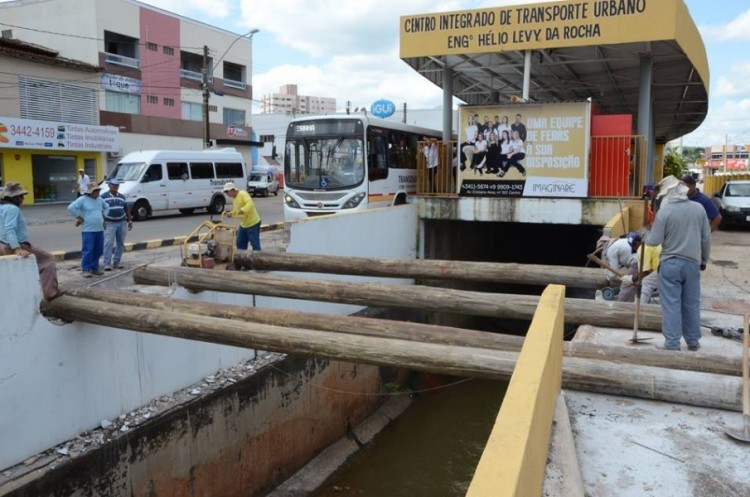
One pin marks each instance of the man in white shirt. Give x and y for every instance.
(82, 186)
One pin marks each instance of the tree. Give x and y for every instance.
(674, 164)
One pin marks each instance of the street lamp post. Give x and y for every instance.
(205, 83)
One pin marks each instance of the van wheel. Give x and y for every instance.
(265, 192)
(187, 212)
(140, 210)
(276, 193)
(217, 205)
(400, 199)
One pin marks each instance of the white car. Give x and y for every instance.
(734, 203)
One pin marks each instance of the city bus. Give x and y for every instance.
(348, 162)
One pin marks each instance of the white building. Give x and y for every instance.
(151, 83)
(288, 101)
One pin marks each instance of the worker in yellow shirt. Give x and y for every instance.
(648, 272)
(244, 209)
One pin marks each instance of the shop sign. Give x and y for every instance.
(382, 108)
(233, 130)
(121, 84)
(52, 135)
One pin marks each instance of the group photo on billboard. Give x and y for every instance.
(524, 150)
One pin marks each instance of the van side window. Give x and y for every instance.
(153, 173)
(202, 170)
(229, 170)
(177, 170)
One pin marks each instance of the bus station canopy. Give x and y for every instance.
(579, 50)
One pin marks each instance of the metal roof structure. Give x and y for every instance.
(603, 65)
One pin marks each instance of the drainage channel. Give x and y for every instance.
(431, 450)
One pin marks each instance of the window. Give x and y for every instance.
(376, 155)
(177, 171)
(152, 174)
(202, 170)
(192, 111)
(267, 138)
(152, 46)
(169, 102)
(168, 50)
(234, 116)
(213, 108)
(152, 99)
(234, 75)
(122, 102)
(229, 170)
(56, 101)
(120, 49)
(191, 66)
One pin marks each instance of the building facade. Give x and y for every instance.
(288, 101)
(151, 84)
(723, 158)
(49, 121)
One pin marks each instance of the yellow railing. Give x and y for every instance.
(712, 184)
(617, 166)
(515, 457)
(439, 181)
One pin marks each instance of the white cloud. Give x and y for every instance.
(730, 122)
(735, 30)
(736, 84)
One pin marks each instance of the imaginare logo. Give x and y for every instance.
(3, 130)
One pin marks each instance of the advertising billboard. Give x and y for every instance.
(524, 150)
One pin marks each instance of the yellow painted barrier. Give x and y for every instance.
(712, 184)
(515, 457)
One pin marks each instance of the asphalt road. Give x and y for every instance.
(63, 234)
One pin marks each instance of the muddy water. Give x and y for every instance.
(430, 451)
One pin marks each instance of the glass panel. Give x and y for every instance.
(234, 116)
(122, 102)
(177, 171)
(324, 163)
(229, 170)
(202, 170)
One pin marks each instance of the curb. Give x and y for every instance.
(152, 244)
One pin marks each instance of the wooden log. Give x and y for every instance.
(509, 306)
(684, 387)
(426, 269)
(419, 332)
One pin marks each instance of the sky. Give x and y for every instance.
(349, 51)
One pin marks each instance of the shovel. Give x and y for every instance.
(744, 434)
(635, 340)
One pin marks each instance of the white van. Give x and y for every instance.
(262, 181)
(156, 180)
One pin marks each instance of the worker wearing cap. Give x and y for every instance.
(14, 239)
(681, 227)
(714, 216)
(89, 211)
(83, 182)
(115, 223)
(244, 209)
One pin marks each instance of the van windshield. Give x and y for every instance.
(128, 171)
(258, 177)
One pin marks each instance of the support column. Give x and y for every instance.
(645, 118)
(447, 103)
(526, 74)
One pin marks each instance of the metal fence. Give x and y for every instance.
(617, 166)
(441, 180)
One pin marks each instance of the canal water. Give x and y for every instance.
(431, 450)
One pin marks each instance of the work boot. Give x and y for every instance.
(97, 272)
(86, 274)
(694, 347)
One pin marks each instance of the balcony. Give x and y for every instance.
(235, 84)
(121, 60)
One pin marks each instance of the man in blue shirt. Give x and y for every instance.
(115, 222)
(89, 211)
(714, 216)
(14, 239)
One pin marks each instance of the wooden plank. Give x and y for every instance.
(426, 269)
(510, 306)
(683, 387)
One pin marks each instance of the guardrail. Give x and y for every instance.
(515, 457)
(442, 180)
(617, 166)
(121, 60)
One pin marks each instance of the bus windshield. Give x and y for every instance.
(324, 163)
(130, 171)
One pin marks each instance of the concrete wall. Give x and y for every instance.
(56, 382)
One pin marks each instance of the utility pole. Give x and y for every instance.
(348, 105)
(404, 112)
(206, 95)
(726, 142)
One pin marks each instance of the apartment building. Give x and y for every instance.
(288, 101)
(728, 157)
(150, 85)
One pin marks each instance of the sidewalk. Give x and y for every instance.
(38, 214)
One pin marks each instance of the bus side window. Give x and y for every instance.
(377, 159)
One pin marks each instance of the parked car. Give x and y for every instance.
(734, 203)
(262, 181)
